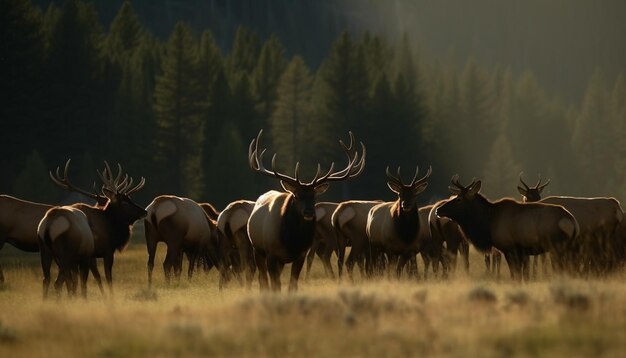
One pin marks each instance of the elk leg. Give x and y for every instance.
(62, 276)
(83, 268)
(178, 265)
(73, 287)
(151, 245)
(296, 267)
(325, 256)
(350, 264)
(341, 253)
(46, 262)
(261, 264)
(247, 258)
(488, 264)
(108, 271)
(93, 267)
(426, 261)
(514, 261)
(274, 268)
(412, 271)
(310, 257)
(526, 267)
(400, 263)
(191, 257)
(497, 258)
(465, 252)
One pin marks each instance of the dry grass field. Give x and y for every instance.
(466, 316)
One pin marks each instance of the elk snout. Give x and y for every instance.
(309, 214)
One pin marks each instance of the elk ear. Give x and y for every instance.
(454, 190)
(420, 188)
(288, 187)
(394, 187)
(321, 189)
(522, 191)
(474, 189)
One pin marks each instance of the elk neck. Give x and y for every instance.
(296, 233)
(407, 223)
(476, 223)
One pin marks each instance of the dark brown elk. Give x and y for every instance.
(324, 239)
(186, 228)
(235, 248)
(393, 228)
(282, 224)
(516, 229)
(531, 194)
(109, 224)
(598, 219)
(350, 223)
(449, 232)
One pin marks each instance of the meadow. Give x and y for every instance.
(465, 316)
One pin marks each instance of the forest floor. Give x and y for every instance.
(466, 316)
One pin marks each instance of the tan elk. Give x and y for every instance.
(598, 219)
(109, 224)
(282, 224)
(516, 229)
(235, 248)
(186, 228)
(350, 223)
(324, 239)
(394, 227)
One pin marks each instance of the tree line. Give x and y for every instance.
(181, 112)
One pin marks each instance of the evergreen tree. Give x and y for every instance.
(178, 107)
(244, 52)
(501, 170)
(267, 73)
(293, 132)
(125, 33)
(32, 182)
(243, 107)
(21, 99)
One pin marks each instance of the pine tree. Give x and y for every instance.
(32, 182)
(501, 170)
(244, 53)
(178, 107)
(266, 75)
(290, 122)
(21, 99)
(125, 34)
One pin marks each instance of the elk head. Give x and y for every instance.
(118, 192)
(464, 200)
(306, 192)
(531, 194)
(407, 193)
(64, 182)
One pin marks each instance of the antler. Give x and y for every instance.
(458, 187)
(65, 183)
(414, 183)
(537, 186)
(522, 181)
(118, 185)
(354, 168)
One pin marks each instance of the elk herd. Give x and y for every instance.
(583, 236)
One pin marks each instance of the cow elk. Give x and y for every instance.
(516, 229)
(235, 248)
(186, 228)
(449, 232)
(109, 225)
(350, 223)
(394, 228)
(282, 224)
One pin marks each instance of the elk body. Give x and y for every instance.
(236, 250)
(325, 240)
(516, 229)
(18, 224)
(186, 228)
(109, 224)
(65, 234)
(350, 223)
(394, 227)
(282, 224)
(531, 194)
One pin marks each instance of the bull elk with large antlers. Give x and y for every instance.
(186, 227)
(65, 238)
(282, 224)
(394, 227)
(516, 229)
